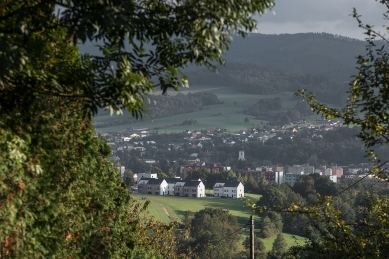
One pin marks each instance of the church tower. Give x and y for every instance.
(241, 155)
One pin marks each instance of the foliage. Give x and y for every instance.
(279, 248)
(259, 252)
(61, 197)
(334, 232)
(213, 233)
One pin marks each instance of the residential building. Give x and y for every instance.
(146, 175)
(142, 185)
(156, 186)
(171, 182)
(228, 189)
(292, 178)
(190, 187)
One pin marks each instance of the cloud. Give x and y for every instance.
(332, 16)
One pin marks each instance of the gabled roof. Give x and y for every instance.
(192, 183)
(173, 180)
(229, 183)
(155, 181)
(145, 178)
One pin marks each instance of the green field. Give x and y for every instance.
(231, 117)
(176, 207)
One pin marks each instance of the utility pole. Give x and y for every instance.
(252, 237)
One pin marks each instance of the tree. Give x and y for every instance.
(279, 247)
(246, 120)
(213, 233)
(62, 195)
(260, 249)
(331, 233)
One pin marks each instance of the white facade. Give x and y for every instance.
(218, 189)
(234, 191)
(279, 177)
(328, 171)
(228, 189)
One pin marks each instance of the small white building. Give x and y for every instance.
(228, 189)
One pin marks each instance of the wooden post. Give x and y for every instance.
(252, 237)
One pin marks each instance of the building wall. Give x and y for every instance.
(170, 189)
(142, 186)
(338, 171)
(292, 178)
(218, 189)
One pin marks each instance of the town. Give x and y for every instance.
(169, 164)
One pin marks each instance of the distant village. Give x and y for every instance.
(183, 186)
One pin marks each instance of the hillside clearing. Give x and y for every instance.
(167, 208)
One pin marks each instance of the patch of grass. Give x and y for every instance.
(226, 115)
(291, 240)
(177, 206)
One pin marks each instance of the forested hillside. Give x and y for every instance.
(257, 79)
(302, 53)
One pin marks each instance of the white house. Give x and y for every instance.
(171, 182)
(228, 189)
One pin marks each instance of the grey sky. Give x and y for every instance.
(332, 16)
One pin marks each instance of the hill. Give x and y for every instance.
(303, 53)
(260, 66)
(255, 79)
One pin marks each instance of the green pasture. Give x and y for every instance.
(177, 206)
(226, 115)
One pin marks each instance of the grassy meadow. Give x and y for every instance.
(176, 207)
(226, 115)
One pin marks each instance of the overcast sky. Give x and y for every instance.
(332, 16)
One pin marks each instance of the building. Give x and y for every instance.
(271, 176)
(292, 178)
(338, 171)
(171, 182)
(156, 186)
(146, 175)
(190, 187)
(142, 185)
(241, 155)
(228, 189)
